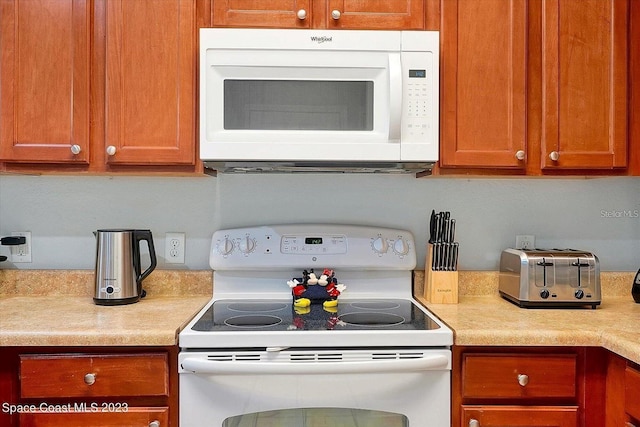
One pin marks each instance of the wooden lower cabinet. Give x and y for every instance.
(518, 386)
(98, 387)
(515, 416)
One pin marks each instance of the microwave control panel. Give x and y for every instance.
(420, 109)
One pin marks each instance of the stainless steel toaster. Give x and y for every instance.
(550, 278)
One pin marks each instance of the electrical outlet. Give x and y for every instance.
(525, 241)
(21, 253)
(174, 248)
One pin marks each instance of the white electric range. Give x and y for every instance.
(282, 344)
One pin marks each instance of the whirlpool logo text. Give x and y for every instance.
(321, 39)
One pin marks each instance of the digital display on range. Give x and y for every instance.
(421, 74)
(313, 240)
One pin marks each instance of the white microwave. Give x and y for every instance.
(315, 100)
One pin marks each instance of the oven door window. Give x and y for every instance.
(320, 417)
(317, 105)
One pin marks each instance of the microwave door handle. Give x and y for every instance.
(395, 96)
(202, 366)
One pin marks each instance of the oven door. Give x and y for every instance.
(304, 105)
(291, 388)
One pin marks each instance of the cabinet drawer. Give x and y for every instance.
(631, 392)
(509, 376)
(134, 417)
(525, 416)
(73, 375)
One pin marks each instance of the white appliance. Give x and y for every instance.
(316, 100)
(253, 358)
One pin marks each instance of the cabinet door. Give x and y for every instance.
(515, 416)
(632, 391)
(44, 81)
(134, 417)
(262, 13)
(150, 82)
(584, 78)
(484, 48)
(376, 14)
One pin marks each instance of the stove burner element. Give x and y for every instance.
(253, 321)
(371, 319)
(375, 305)
(256, 307)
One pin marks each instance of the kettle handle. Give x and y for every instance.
(145, 235)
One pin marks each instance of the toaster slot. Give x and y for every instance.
(544, 272)
(582, 270)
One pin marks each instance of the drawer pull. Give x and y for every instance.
(523, 379)
(89, 379)
(474, 423)
(154, 423)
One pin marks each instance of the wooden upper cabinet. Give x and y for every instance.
(150, 82)
(262, 13)
(331, 14)
(44, 81)
(535, 87)
(483, 79)
(376, 14)
(584, 79)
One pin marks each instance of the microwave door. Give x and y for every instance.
(308, 106)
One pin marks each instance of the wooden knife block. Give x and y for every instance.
(440, 287)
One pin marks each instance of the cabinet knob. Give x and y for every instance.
(554, 155)
(76, 149)
(474, 423)
(111, 150)
(89, 379)
(523, 379)
(520, 154)
(154, 423)
(302, 14)
(335, 14)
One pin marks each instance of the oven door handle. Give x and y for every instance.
(428, 363)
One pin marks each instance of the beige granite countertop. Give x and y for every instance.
(482, 317)
(54, 308)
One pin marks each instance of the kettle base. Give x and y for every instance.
(115, 301)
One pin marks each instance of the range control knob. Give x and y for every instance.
(400, 246)
(225, 247)
(544, 294)
(247, 245)
(579, 294)
(380, 245)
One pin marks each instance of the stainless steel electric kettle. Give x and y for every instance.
(118, 272)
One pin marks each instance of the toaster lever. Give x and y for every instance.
(579, 265)
(544, 264)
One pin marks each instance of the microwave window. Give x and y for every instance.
(298, 105)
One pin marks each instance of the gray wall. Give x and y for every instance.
(600, 215)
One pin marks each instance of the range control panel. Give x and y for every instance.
(308, 245)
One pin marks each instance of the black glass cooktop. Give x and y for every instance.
(281, 315)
